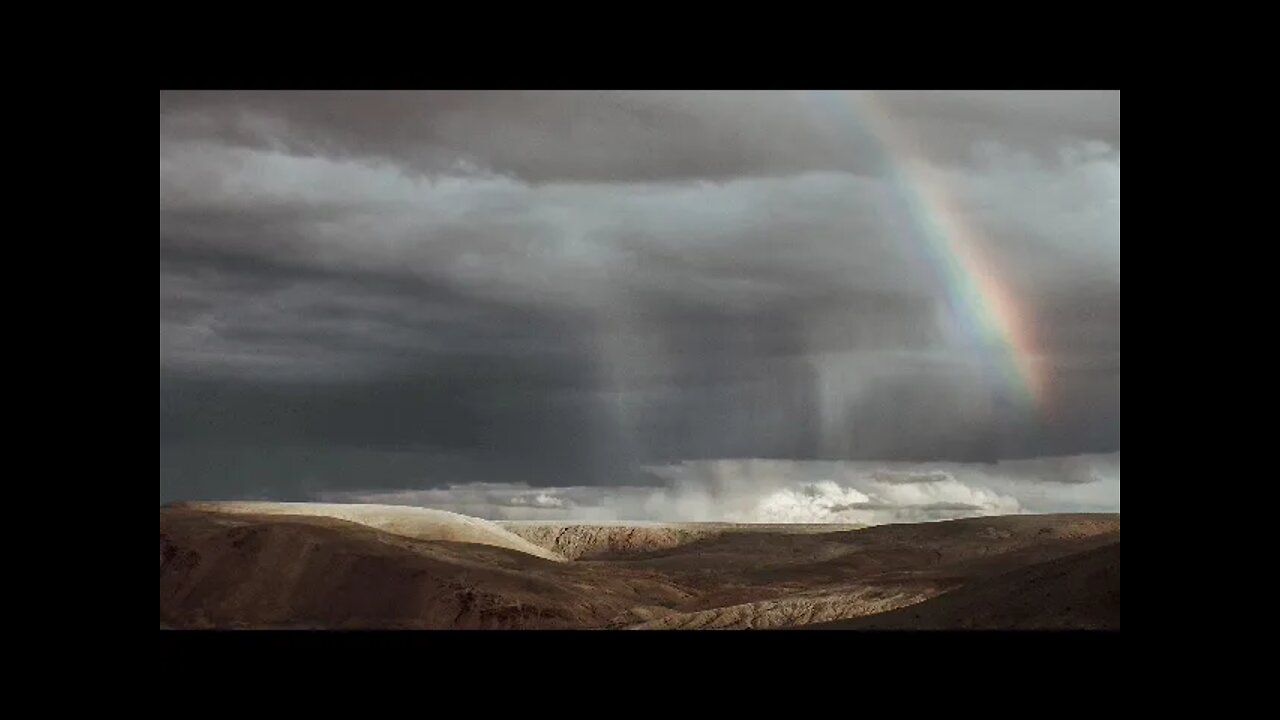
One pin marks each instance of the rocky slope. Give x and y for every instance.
(620, 539)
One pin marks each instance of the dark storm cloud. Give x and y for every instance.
(406, 290)
(625, 136)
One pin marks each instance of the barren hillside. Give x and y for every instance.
(221, 570)
(296, 565)
(1080, 591)
(622, 539)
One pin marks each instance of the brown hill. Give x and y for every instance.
(225, 566)
(1080, 591)
(221, 570)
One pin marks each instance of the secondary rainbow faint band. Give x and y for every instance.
(979, 302)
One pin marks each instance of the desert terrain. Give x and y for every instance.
(328, 566)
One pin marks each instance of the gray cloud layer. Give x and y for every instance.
(406, 290)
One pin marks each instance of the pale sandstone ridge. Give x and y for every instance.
(412, 522)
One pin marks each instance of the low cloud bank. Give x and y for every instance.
(779, 491)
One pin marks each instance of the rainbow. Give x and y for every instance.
(978, 302)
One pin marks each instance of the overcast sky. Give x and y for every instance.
(371, 293)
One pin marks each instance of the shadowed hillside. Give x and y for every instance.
(1080, 591)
